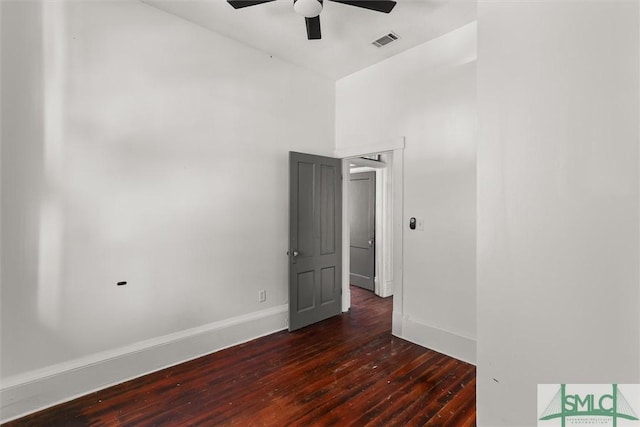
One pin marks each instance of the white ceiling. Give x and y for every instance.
(347, 31)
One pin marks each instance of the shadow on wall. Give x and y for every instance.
(32, 218)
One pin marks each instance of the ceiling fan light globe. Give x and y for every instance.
(307, 8)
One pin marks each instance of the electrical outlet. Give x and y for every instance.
(262, 296)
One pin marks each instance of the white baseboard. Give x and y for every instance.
(33, 391)
(456, 346)
(387, 289)
(396, 323)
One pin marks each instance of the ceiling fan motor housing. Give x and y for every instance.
(307, 8)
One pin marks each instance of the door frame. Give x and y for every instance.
(392, 225)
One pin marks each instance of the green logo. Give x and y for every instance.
(583, 405)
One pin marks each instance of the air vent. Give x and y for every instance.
(386, 39)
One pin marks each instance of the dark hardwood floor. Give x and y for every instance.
(348, 370)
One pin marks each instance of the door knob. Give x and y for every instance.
(370, 242)
(293, 253)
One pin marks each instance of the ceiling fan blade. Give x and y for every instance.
(385, 6)
(239, 4)
(313, 28)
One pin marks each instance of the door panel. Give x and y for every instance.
(305, 206)
(315, 239)
(328, 209)
(305, 291)
(328, 292)
(362, 193)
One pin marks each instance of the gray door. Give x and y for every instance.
(315, 239)
(362, 208)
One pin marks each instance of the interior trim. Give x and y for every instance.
(39, 389)
(395, 144)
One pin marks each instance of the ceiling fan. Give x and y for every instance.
(311, 9)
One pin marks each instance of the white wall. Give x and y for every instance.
(427, 95)
(139, 147)
(558, 175)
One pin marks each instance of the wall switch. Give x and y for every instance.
(262, 296)
(412, 223)
(416, 224)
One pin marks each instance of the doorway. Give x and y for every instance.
(388, 221)
(367, 217)
(388, 235)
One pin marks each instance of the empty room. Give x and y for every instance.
(180, 203)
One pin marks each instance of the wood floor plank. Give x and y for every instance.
(347, 370)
